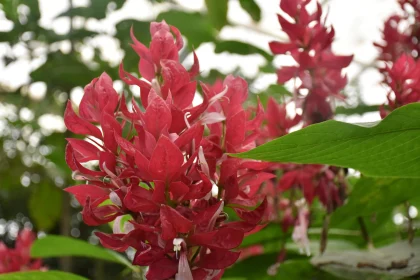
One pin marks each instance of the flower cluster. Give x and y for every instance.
(403, 79)
(318, 69)
(400, 34)
(164, 175)
(318, 76)
(400, 52)
(19, 258)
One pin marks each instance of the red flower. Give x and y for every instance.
(403, 78)
(318, 69)
(158, 166)
(401, 33)
(19, 258)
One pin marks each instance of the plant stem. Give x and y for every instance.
(410, 223)
(324, 233)
(365, 233)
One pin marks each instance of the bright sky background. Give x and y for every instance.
(357, 24)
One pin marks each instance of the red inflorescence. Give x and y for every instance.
(403, 79)
(164, 174)
(400, 52)
(19, 258)
(318, 69)
(399, 35)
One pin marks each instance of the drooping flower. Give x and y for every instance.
(318, 69)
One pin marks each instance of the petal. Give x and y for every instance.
(78, 125)
(166, 160)
(219, 259)
(173, 222)
(162, 269)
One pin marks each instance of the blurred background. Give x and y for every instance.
(49, 50)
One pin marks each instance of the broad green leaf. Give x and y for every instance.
(217, 12)
(60, 246)
(257, 267)
(41, 275)
(373, 195)
(199, 32)
(252, 9)
(390, 148)
(45, 206)
(396, 261)
(241, 48)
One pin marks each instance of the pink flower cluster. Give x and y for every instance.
(19, 258)
(403, 80)
(398, 38)
(400, 52)
(318, 69)
(165, 164)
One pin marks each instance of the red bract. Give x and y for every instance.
(318, 69)
(19, 258)
(400, 50)
(157, 165)
(403, 78)
(401, 33)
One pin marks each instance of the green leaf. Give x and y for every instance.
(358, 110)
(199, 32)
(252, 9)
(373, 195)
(63, 72)
(271, 232)
(41, 275)
(241, 48)
(97, 9)
(387, 149)
(60, 246)
(217, 12)
(256, 268)
(45, 206)
(396, 261)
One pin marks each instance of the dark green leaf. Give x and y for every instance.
(252, 9)
(63, 72)
(45, 206)
(60, 246)
(256, 268)
(217, 12)
(41, 275)
(242, 48)
(199, 32)
(372, 195)
(98, 9)
(388, 149)
(358, 110)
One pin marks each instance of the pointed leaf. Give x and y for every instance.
(387, 149)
